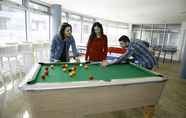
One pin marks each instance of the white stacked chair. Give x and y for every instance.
(9, 54)
(38, 51)
(2, 84)
(46, 51)
(26, 51)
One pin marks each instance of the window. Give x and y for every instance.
(159, 26)
(12, 24)
(39, 7)
(76, 28)
(86, 32)
(64, 17)
(136, 32)
(146, 35)
(74, 17)
(157, 37)
(39, 27)
(16, 1)
(173, 32)
(114, 33)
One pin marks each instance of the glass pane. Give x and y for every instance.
(136, 34)
(39, 27)
(172, 35)
(88, 20)
(174, 27)
(74, 17)
(146, 35)
(136, 27)
(114, 33)
(147, 26)
(17, 1)
(86, 32)
(64, 17)
(157, 38)
(76, 30)
(38, 7)
(12, 25)
(159, 26)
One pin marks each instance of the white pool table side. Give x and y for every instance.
(81, 84)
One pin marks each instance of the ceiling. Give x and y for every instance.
(129, 11)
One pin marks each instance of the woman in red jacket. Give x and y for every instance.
(97, 44)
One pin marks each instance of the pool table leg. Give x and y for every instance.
(148, 111)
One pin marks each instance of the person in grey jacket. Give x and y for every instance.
(61, 43)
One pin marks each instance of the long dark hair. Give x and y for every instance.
(93, 34)
(62, 29)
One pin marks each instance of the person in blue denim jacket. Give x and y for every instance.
(61, 43)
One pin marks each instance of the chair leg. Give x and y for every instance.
(159, 52)
(18, 66)
(164, 57)
(171, 58)
(1, 61)
(4, 83)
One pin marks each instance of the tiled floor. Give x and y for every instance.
(13, 104)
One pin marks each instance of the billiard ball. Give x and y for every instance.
(70, 70)
(52, 66)
(73, 68)
(46, 73)
(90, 77)
(64, 69)
(73, 72)
(66, 65)
(85, 66)
(70, 74)
(46, 68)
(80, 65)
(43, 77)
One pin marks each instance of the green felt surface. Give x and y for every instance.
(118, 71)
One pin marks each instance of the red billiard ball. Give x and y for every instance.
(46, 72)
(43, 77)
(46, 68)
(63, 66)
(90, 77)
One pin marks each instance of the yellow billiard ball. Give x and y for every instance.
(70, 74)
(66, 65)
(73, 72)
(64, 69)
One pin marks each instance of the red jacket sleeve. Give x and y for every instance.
(105, 47)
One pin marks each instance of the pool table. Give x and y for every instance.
(115, 87)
